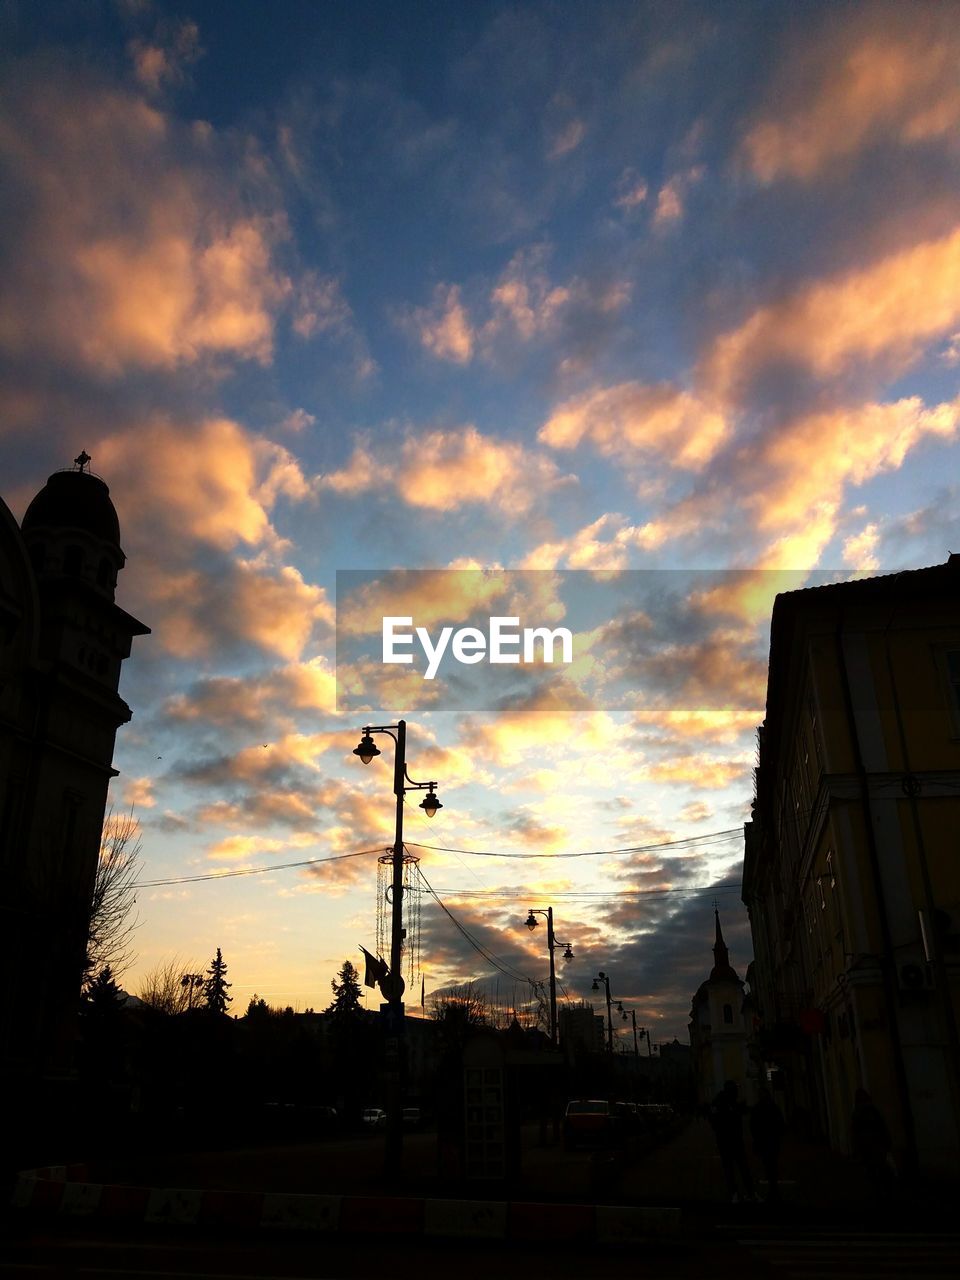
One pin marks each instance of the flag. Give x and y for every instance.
(375, 968)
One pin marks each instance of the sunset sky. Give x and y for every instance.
(483, 287)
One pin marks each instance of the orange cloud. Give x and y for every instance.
(444, 470)
(132, 252)
(443, 328)
(884, 311)
(700, 770)
(630, 419)
(847, 90)
(807, 465)
(211, 481)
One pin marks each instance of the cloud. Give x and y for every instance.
(807, 465)
(444, 470)
(523, 305)
(138, 793)
(859, 550)
(631, 189)
(883, 312)
(887, 81)
(161, 62)
(672, 196)
(209, 481)
(567, 139)
(631, 419)
(319, 307)
(130, 251)
(443, 329)
(202, 492)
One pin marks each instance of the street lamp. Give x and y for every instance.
(392, 983)
(602, 977)
(531, 922)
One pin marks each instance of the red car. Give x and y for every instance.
(591, 1122)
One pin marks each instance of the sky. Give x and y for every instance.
(623, 315)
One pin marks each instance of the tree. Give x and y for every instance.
(110, 930)
(458, 1010)
(103, 997)
(216, 986)
(164, 988)
(346, 993)
(258, 1007)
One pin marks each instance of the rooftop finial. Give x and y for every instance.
(82, 460)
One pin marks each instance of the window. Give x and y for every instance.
(728, 1014)
(73, 561)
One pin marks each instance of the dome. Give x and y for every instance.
(74, 500)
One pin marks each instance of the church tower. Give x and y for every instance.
(63, 639)
(719, 1031)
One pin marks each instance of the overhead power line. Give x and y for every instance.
(712, 837)
(502, 966)
(256, 871)
(702, 841)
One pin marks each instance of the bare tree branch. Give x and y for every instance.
(172, 986)
(111, 928)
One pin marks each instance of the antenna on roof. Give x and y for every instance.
(82, 460)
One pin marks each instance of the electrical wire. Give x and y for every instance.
(709, 838)
(500, 965)
(256, 871)
(574, 895)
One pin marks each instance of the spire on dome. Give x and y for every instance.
(721, 956)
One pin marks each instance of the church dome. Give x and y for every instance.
(74, 500)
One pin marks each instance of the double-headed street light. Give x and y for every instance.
(392, 983)
(602, 977)
(531, 923)
(638, 1032)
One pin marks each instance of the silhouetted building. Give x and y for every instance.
(581, 1030)
(851, 874)
(720, 1028)
(62, 642)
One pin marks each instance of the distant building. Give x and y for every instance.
(720, 1028)
(851, 871)
(62, 642)
(581, 1030)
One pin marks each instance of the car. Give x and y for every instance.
(374, 1118)
(592, 1122)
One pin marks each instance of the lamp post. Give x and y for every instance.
(602, 977)
(531, 923)
(633, 1014)
(392, 984)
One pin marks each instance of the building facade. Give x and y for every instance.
(62, 642)
(852, 858)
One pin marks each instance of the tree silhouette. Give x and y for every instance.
(164, 988)
(103, 997)
(110, 931)
(215, 989)
(346, 993)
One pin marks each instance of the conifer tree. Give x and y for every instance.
(216, 986)
(346, 993)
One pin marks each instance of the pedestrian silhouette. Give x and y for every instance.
(766, 1131)
(726, 1115)
(872, 1145)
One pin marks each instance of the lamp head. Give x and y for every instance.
(531, 921)
(367, 748)
(567, 952)
(596, 985)
(430, 804)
